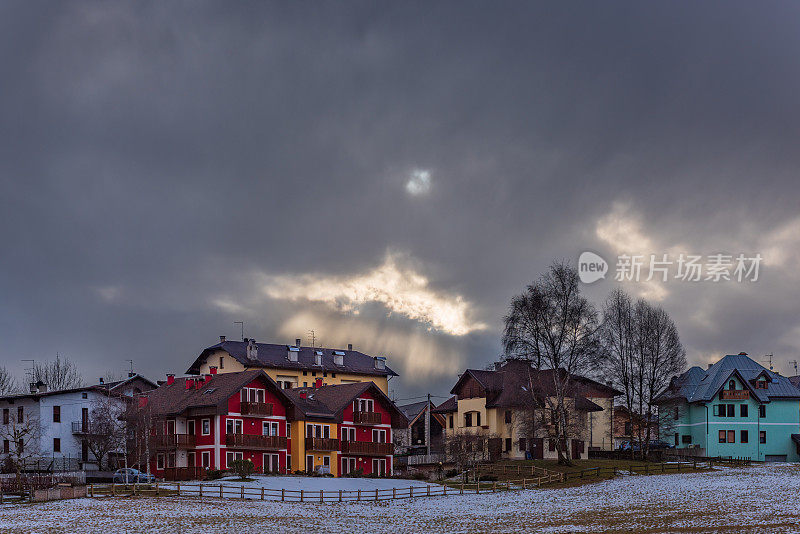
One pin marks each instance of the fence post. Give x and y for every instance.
(376, 494)
(359, 495)
(340, 495)
(322, 496)
(494, 487)
(201, 490)
(240, 487)
(523, 484)
(301, 495)
(429, 490)
(394, 493)
(411, 492)
(113, 490)
(179, 489)
(220, 491)
(662, 466)
(462, 487)
(262, 493)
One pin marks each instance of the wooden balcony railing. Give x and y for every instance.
(367, 448)
(322, 444)
(174, 441)
(367, 418)
(255, 441)
(734, 394)
(256, 408)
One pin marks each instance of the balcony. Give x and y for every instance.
(367, 448)
(255, 441)
(174, 441)
(366, 418)
(734, 394)
(256, 408)
(322, 444)
(80, 427)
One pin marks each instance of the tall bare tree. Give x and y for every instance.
(555, 327)
(106, 432)
(8, 384)
(23, 434)
(59, 374)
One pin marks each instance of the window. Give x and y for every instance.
(6, 447)
(171, 460)
(190, 427)
(676, 439)
(719, 410)
(508, 444)
(477, 418)
(20, 414)
(743, 410)
(363, 405)
(378, 436)
(523, 445)
(159, 461)
(628, 428)
(333, 375)
(508, 417)
(289, 462)
(762, 436)
(348, 434)
(288, 430)
(5, 416)
(84, 395)
(56, 444)
(231, 457)
(205, 458)
(731, 436)
(761, 384)
(325, 374)
(305, 373)
(732, 384)
(326, 461)
(451, 421)
(731, 410)
(686, 438)
(762, 411)
(233, 426)
(56, 414)
(722, 435)
(222, 362)
(313, 373)
(205, 427)
(743, 437)
(269, 428)
(468, 419)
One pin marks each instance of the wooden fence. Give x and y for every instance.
(611, 471)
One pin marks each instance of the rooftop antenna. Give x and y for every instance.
(313, 338)
(29, 371)
(130, 362)
(240, 323)
(768, 359)
(794, 363)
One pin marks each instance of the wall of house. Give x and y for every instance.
(600, 429)
(232, 365)
(364, 433)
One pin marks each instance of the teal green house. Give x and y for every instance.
(735, 408)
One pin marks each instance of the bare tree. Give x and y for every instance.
(556, 328)
(466, 448)
(8, 384)
(23, 433)
(139, 423)
(106, 432)
(59, 374)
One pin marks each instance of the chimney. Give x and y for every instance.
(338, 357)
(102, 381)
(189, 382)
(380, 363)
(32, 387)
(41, 387)
(302, 394)
(131, 374)
(222, 339)
(297, 342)
(349, 346)
(252, 349)
(213, 369)
(742, 354)
(170, 379)
(709, 366)
(198, 383)
(318, 383)
(207, 379)
(318, 357)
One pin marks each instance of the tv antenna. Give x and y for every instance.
(30, 371)
(130, 362)
(794, 363)
(768, 358)
(240, 323)
(313, 337)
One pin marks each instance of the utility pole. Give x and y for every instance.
(240, 323)
(428, 427)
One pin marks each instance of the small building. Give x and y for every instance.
(629, 426)
(135, 384)
(413, 440)
(509, 406)
(735, 408)
(292, 366)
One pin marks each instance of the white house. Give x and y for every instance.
(62, 419)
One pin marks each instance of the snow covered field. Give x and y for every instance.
(757, 499)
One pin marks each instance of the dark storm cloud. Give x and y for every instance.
(157, 159)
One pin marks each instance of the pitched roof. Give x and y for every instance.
(49, 393)
(516, 384)
(174, 399)
(448, 406)
(328, 402)
(795, 380)
(697, 385)
(411, 411)
(119, 383)
(275, 356)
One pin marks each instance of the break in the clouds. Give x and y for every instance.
(393, 284)
(419, 183)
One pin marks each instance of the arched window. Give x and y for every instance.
(732, 384)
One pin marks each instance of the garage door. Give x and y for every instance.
(774, 457)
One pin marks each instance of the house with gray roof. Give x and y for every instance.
(735, 408)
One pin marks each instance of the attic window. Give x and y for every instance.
(210, 390)
(294, 349)
(761, 384)
(338, 353)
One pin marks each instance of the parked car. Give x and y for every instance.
(129, 475)
(630, 446)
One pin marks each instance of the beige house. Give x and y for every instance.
(507, 407)
(293, 366)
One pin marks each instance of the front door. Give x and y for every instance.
(190, 459)
(577, 449)
(309, 463)
(537, 448)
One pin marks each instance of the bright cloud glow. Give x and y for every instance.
(419, 183)
(398, 287)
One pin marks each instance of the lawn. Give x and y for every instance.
(755, 499)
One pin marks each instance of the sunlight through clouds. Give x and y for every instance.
(396, 286)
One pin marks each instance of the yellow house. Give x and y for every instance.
(293, 366)
(505, 406)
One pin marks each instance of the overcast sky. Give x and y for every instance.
(386, 174)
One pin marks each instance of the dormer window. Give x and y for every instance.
(761, 384)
